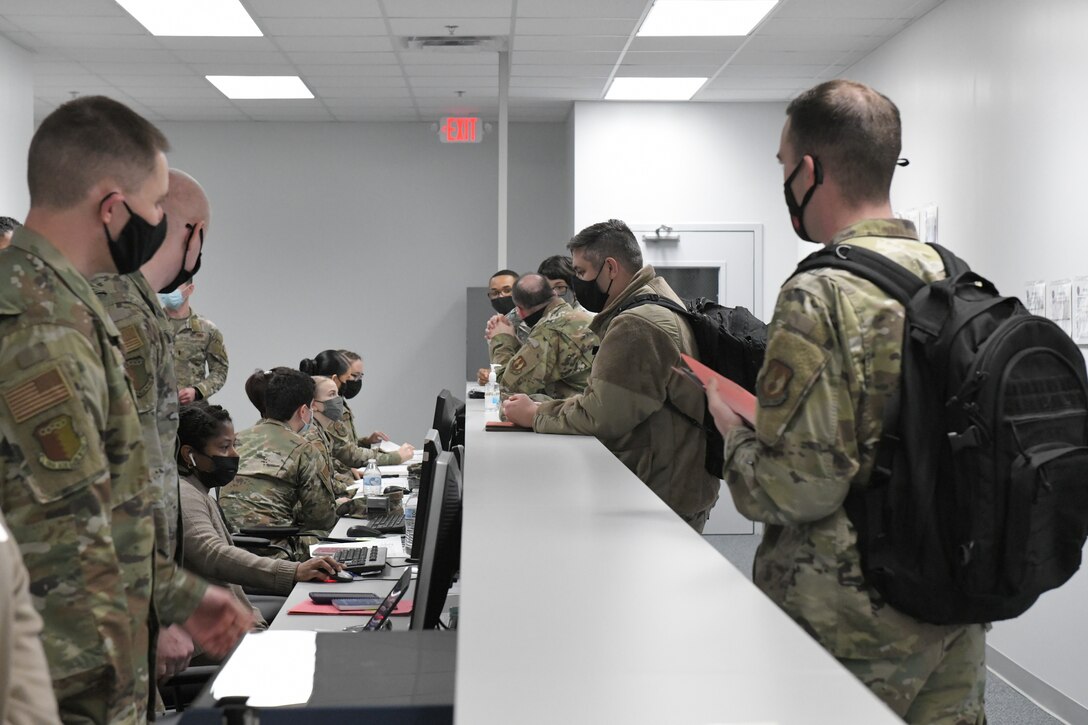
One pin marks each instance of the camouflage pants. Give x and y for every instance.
(97, 697)
(943, 684)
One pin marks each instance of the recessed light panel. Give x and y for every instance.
(251, 87)
(686, 18)
(192, 17)
(653, 89)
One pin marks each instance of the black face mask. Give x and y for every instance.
(184, 275)
(224, 469)
(589, 294)
(351, 388)
(503, 305)
(797, 211)
(136, 243)
(534, 318)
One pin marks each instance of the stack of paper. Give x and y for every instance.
(247, 674)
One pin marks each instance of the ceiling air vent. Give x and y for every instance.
(455, 43)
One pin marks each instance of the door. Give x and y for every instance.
(724, 263)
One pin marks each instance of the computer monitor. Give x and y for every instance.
(432, 446)
(442, 552)
(449, 419)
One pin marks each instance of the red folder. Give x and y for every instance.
(740, 400)
(505, 425)
(404, 606)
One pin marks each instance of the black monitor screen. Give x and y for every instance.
(442, 552)
(432, 446)
(449, 419)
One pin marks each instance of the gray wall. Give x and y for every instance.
(362, 236)
(16, 127)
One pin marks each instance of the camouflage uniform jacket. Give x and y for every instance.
(198, 346)
(345, 448)
(339, 480)
(74, 480)
(556, 359)
(624, 403)
(283, 480)
(832, 363)
(149, 362)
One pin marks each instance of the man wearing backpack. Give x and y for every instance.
(634, 402)
(832, 365)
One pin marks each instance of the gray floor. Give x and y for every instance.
(1004, 704)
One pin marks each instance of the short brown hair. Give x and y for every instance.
(613, 239)
(854, 131)
(84, 141)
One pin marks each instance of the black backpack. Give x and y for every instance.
(730, 340)
(978, 501)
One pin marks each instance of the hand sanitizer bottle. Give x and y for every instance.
(491, 392)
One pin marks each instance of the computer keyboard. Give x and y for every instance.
(362, 559)
(387, 523)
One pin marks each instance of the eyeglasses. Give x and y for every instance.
(356, 376)
(496, 293)
(561, 289)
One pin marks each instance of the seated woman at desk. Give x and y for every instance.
(283, 479)
(206, 460)
(350, 383)
(346, 451)
(328, 406)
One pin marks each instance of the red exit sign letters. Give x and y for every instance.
(460, 129)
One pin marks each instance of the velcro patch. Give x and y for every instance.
(61, 446)
(517, 365)
(130, 339)
(774, 386)
(41, 392)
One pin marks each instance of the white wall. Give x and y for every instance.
(993, 104)
(361, 236)
(672, 163)
(16, 127)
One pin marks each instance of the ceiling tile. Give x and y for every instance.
(80, 40)
(674, 59)
(554, 82)
(335, 44)
(576, 26)
(581, 8)
(564, 42)
(122, 55)
(348, 71)
(748, 95)
(830, 26)
(576, 57)
(437, 26)
(814, 42)
(848, 9)
(334, 86)
(440, 8)
(456, 82)
(228, 57)
(771, 71)
(785, 57)
(78, 23)
(482, 71)
(61, 7)
(350, 59)
(324, 26)
(671, 71)
(205, 43)
(574, 71)
(314, 9)
(688, 45)
(427, 57)
(143, 69)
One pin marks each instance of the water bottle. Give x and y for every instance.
(372, 479)
(491, 393)
(410, 505)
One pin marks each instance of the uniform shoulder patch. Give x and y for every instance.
(131, 340)
(41, 392)
(517, 365)
(61, 446)
(774, 386)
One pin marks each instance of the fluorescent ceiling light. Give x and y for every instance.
(240, 87)
(192, 17)
(653, 89)
(682, 18)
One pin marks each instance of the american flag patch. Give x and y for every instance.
(130, 339)
(40, 393)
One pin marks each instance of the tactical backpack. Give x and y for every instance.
(731, 341)
(978, 501)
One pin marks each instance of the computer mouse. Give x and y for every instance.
(395, 489)
(356, 531)
(344, 576)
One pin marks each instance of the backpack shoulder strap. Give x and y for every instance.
(893, 278)
(651, 299)
(953, 265)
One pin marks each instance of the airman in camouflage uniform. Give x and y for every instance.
(200, 358)
(832, 365)
(75, 485)
(556, 359)
(149, 363)
(283, 480)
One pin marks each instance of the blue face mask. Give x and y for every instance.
(172, 300)
(306, 426)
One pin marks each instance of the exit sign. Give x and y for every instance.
(460, 129)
